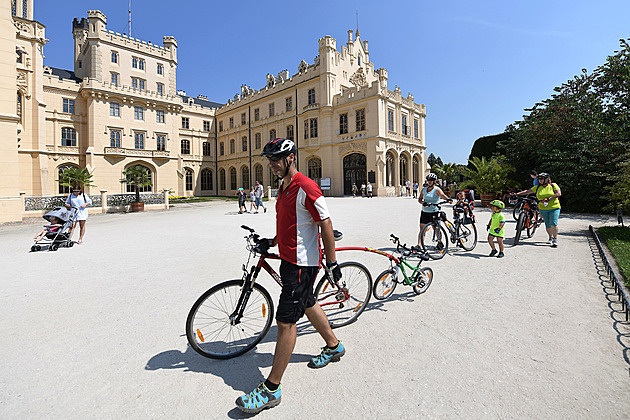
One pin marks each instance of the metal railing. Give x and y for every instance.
(618, 284)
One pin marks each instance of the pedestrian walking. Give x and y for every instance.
(259, 197)
(548, 195)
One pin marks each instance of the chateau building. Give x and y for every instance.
(119, 107)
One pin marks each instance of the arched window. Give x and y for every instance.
(64, 189)
(185, 149)
(222, 178)
(404, 169)
(147, 188)
(233, 185)
(258, 173)
(245, 177)
(315, 169)
(19, 106)
(416, 169)
(389, 169)
(189, 179)
(206, 180)
(68, 137)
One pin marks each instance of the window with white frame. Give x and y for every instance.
(114, 57)
(160, 69)
(114, 109)
(272, 135)
(114, 138)
(360, 119)
(138, 113)
(185, 147)
(290, 132)
(206, 126)
(189, 179)
(311, 96)
(141, 64)
(312, 127)
(206, 149)
(159, 114)
(289, 103)
(390, 119)
(186, 123)
(134, 62)
(256, 114)
(68, 136)
(68, 106)
(161, 142)
(415, 128)
(243, 118)
(231, 122)
(343, 123)
(139, 141)
(160, 89)
(114, 79)
(403, 121)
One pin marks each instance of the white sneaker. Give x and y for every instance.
(550, 240)
(554, 242)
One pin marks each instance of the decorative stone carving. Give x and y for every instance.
(302, 67)
(352, 147)
(22, 83)
(283, 76)
(316, 60)
(246, 91)
(271, 80)
(358, 78)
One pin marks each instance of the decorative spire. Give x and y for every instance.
(358, 34)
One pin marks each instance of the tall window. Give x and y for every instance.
(206, 126)
(161, 142)
(232, 178)
(272, 134)
(189, 180)
(389, 170)
(221, 149)
(68, 106)
(360, 117)
(14, 13)
(159, 116)
(206, 150)
(134, 82)
(114, 57)
(311, 96)
(257, 141)
(68, 137)
(313, 127)
(244, 144)
(64, 189)
(160, 69)
(141, 84)
(403, 121)
(306, 128)
(25, 9)
(245, 177)
(139, 140)
(231, 122)
(114, 79)
(243, 118)
(222, 179)
(19, 56)
(290, 132)
(315, 169)
(134, 62)
(185, 147)
(343, 124)
(258, 173)
(415, 128)
(114, 138)
(147, 188)
(185, 122)
(141, 64)
(256, 114)
(206, 180)
(19, 106)
(114, 109)
(232, 146)
(272, 109)
(220, 126)
(138, 113)
(289, 103)
(390, 119)
(160, 89)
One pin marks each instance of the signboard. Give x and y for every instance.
(324, 183)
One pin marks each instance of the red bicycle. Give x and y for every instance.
(232, 317)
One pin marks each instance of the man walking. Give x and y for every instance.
(301, 214)
(258, 194)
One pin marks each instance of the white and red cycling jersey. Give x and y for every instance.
(298, 209)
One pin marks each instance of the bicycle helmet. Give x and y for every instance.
(432, 177)
(544, 175)
(279, 148)
(497, 203)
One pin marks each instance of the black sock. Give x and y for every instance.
(271, 386)
(333, 348)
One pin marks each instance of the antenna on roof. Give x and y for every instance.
(130, 18)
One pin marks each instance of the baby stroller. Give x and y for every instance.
(55, 235)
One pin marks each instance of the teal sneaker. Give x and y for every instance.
(259, 399)
(326, 356)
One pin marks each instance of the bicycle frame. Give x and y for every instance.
(395, 262)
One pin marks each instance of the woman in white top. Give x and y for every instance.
(80, 202)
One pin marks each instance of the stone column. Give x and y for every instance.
(166, 194)
(103, 201)
(269, 193)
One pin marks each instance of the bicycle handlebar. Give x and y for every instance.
(438, 204)
(403, 250)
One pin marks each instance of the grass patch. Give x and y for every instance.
(617, 238)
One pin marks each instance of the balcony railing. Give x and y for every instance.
(121, 151)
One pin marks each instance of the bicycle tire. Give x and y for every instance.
(208, 327)
(531, 230)
(467, 238)
(423, 284)
(517, 210)
(434, 244)
(340, 309)
(520, 224)
(384, 285)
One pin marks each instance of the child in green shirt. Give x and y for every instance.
(495, 227)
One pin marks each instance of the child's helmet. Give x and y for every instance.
(497, 203)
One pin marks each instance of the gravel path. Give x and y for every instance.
(97, 331)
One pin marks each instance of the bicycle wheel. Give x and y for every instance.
(520, 225)
(344, 303)
(434, 241)
(424, 281)
(532, 225)
(212, 333)
(517, 210)
(384, 285)
(467, 236)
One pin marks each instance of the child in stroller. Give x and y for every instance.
(58, 232)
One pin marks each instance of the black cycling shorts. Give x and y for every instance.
(426, 217)
(297, 292)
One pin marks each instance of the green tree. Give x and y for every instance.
(489, 175)
(138, 176)
(447, 172)
(71, 177)
(488, 146)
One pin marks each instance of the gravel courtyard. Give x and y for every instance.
(97, 330)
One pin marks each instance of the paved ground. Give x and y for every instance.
(97, 331)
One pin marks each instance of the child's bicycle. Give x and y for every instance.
(232, 317)
(420, 278)
(434, 239)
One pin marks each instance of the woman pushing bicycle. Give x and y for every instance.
(430, 195)
(547, 194)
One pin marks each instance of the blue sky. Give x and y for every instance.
(476, 65)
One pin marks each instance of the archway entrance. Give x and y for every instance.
(354, 172)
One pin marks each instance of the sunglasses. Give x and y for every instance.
(274, 158)
(76, 191)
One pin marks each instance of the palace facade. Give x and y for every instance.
(119, 107)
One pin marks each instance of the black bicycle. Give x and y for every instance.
(434, 237)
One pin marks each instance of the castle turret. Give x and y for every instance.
(79, 33)
(98, 22)
(327, 50)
